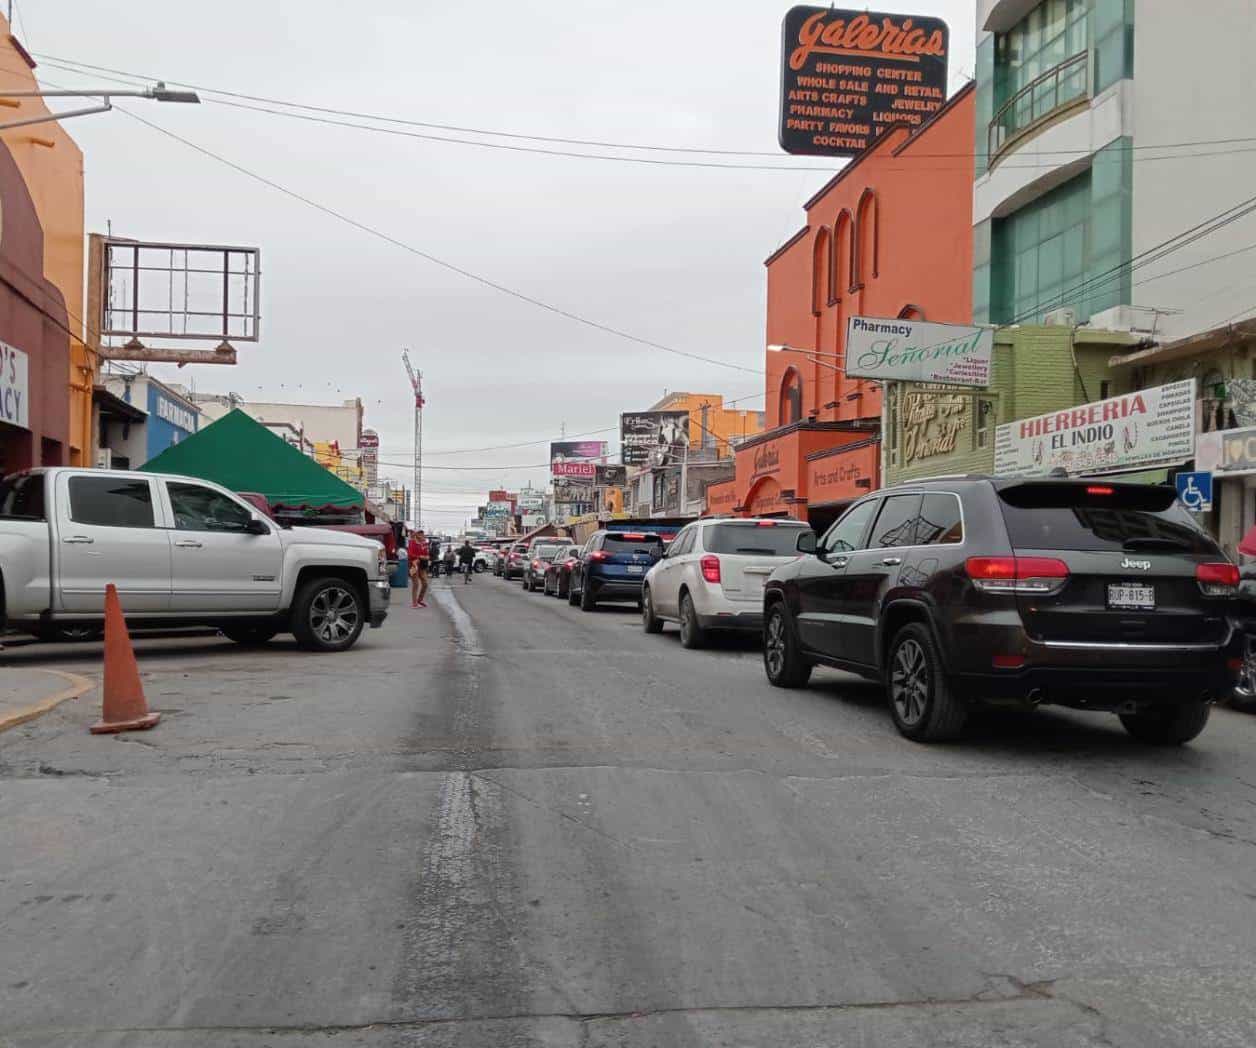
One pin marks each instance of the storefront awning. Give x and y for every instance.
(1187, 347)
(113, 406)
(243, 455)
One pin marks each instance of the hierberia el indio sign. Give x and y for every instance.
(915, 351)
(847, 75)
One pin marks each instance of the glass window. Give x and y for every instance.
(22, 497)
(682, 543)
(1132, 518)
(203, 509)
(754, 539)
(111, 502)
(633, 543)
(847, 534)
(940, 521)
(897, 522)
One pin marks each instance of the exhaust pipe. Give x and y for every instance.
(1035, 697)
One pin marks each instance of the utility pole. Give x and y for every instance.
(416, 381)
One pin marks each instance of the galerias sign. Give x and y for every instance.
(767, 459)
(846, 76)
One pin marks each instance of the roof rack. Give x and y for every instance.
(943, 476)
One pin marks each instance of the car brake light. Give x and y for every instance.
(710, 568)
(571, 563)
(633, 536)
(1031, 575)
(599, 554)
(1217, 580)
(765, 524)
(1099, 489)
(536, 565)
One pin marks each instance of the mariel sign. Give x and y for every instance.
(914, 351)
(847, 75)
(1153, 427)
(14, 386)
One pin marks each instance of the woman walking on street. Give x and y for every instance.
(417, 551)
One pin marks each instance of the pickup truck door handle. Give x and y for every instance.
(78, 540)
(188, 544)
(890, 562)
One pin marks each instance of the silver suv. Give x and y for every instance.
(713, 574)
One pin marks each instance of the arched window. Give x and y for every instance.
(911, 312)
(820, 270)
(791, 397)
(866, 245)
(845, 224)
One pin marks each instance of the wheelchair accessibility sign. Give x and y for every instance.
(1195, 491)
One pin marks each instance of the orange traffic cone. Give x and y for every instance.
(125, 708)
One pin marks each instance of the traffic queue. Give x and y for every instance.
(958, 595)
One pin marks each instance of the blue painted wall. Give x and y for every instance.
(169, 420)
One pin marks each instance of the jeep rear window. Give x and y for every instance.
(1098, 516)
(771, 540)
(623, 544)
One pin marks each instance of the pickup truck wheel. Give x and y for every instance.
(328, 615)
(921, 701)
(1170, 726)
(249, 636)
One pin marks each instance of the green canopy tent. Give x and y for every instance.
(242, 455)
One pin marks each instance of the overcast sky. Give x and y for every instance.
(672, 254)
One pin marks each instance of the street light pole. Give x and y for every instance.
(157, 93)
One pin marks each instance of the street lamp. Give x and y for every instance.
(158, 93)
(817, 357)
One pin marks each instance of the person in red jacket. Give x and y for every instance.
(417, 551)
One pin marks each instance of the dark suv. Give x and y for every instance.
(612, 566)
(970, 592)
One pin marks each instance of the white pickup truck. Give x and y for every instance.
(181, 551)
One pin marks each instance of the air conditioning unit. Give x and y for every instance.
(104, 458)
(1061, 318)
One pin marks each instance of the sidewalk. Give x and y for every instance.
(26, 693)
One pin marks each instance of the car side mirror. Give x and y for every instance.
(807, 542)
(256, 527)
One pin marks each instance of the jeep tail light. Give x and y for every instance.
(599, 555)
(710, 568)
(1217, 580)
(1023, 575)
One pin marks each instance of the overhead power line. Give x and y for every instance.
(75, 66)
(429, 257)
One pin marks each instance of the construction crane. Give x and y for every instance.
(416, 380)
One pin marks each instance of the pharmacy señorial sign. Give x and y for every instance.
(15, 387)
(914, 351)
(848, 75)
(1153, 427)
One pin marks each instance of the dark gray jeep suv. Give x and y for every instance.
(960, 593)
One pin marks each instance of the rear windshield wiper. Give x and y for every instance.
(1156, 543)
(757, 550)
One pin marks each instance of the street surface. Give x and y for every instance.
(500, 821)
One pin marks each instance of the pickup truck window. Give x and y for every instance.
(111, 502)
(22, 498)
(203, 509)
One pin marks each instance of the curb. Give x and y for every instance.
(78, 686)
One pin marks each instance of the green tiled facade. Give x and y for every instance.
(1032, 373)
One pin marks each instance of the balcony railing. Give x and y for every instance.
(1037, 101)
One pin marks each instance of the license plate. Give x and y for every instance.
(1137, 598)
(634, 570)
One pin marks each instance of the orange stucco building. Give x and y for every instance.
(889, 236)
(50, 165)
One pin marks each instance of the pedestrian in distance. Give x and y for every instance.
(451, 559)
(418, 552)
(466, 558)
(434, 556)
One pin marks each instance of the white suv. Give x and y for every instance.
(713, 574)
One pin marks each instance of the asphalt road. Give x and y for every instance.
(501, 821)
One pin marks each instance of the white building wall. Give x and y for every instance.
(1194, 82)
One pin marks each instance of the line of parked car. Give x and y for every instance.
(957, 594)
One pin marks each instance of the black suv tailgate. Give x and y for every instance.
(1131, 552)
